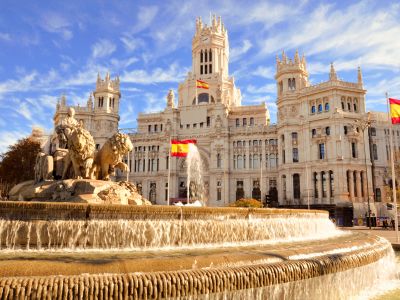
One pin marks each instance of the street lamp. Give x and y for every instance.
(365, 124)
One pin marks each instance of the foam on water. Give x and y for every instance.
(153, 234)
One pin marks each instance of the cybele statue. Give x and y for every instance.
(84, 172)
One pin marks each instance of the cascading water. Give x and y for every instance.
(184, 253)
(153, 234)
(194, 167)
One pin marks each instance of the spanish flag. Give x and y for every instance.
(202, 84)
(181, 148)
(395, 110)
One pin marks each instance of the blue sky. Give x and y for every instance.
(53, 47)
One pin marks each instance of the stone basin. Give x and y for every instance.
(243, 263)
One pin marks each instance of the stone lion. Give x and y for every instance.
(110, 156)
(81, 153)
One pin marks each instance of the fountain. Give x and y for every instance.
(81, 250)
(194, 174)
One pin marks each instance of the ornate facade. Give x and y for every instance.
(317, 153)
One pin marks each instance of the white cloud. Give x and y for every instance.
(57, 23)
(131, 43)
(24, 83)
(237, 52)
(173, 74)
(269, 88)
(265, 72)
(146, 15)
(103, 48)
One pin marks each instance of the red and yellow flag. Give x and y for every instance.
(181, 148)
(202, 84)
(395, 110)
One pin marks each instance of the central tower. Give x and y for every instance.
(210, 49)
(210, 59)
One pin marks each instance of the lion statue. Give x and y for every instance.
(110, 156)
(81, 153)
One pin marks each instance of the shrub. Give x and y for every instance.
(246, 202)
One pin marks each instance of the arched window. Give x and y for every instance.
(293, 84)
(251, 121)
(326, 106)
(210, 56)
(204, 98)
(342, 105)
(256, 161)
(313, 132)
(348, 106)
(289, 84)
(355, 107)
(201, 56)
(319, 108)
(313, 109)
(378, 195)
(272, 161)
(205, 56)
(240, 162)
(219, 161)
(328, 130)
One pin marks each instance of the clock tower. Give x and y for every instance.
(210, 49)
(210, 58)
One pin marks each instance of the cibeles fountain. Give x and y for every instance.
(79, 247)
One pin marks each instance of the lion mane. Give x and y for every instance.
(111, 154)
(81, 150)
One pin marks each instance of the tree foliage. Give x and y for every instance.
(17, 164)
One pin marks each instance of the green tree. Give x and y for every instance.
(17, 164)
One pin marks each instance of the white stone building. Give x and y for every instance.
(316, 153)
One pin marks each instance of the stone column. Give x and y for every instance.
(358, 186)
(351, 185)
(364, 185)
(319, 186)
(328, 187)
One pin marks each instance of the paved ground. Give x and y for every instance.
(388, 234)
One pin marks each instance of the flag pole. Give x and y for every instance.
(394, 192)
(195, 89)
(169, 169)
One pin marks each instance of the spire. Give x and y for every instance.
(359, 76)
(108, 76)
(98, 77)
(90, 102)
(332, 74)
(303, 61)
(284, 58)
(297, 58)
(63, 100)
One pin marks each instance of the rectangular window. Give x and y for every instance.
(321, 148)
(149, 127)
(283, 157)
(208, 121)
(237, 122)
(187, 126)
(210, 68)
(295, 155)
(201, 70)
(244, 122)
(345, 129)
(373, 131)
(155, 128)
(251, 121)
(205, 69)
(194, 125)
(161, 127)
(294, 136)
(201, 125)
(353, 150)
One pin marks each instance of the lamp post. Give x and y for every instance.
(365, 124)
